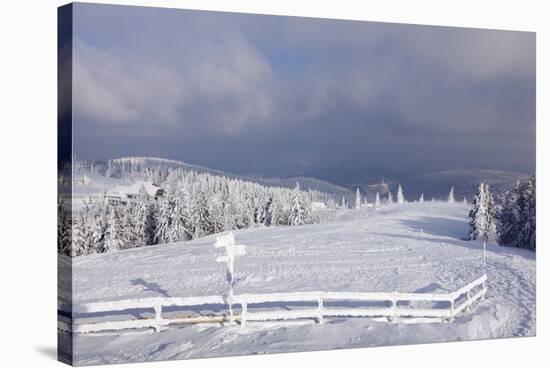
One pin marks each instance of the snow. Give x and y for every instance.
(317, 206)
(392, 310)
(97, 186)
(135, 189)
(409, 248)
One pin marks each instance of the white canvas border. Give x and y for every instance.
(28, 147)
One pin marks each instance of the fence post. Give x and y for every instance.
(243, 313)
(231, 316)
(452, 310)
(393, 307)
(158, 317)
(320, 310)
(484, 257)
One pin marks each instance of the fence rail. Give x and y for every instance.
(458, 301)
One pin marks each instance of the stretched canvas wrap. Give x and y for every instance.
(234, 184)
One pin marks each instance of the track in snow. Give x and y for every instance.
(414, 247)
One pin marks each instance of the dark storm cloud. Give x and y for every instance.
(284, 95)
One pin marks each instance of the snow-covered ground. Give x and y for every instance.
(407, 248)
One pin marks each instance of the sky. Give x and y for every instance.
(281, 96)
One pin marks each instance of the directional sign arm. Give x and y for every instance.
(222, 259)
(239, 249)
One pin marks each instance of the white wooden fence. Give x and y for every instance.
(458, 301)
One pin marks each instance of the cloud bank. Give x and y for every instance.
(284, 95)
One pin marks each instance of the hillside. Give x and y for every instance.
(140, 163)
(413, 247)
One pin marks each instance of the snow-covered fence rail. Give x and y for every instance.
(157, 304)
(458, 301)
(391, 312)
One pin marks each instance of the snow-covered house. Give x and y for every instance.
(123, 194)
(318, 206)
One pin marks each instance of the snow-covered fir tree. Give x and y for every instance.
(390, 198)
(114, 232)
(82, 232)
(279, 217)
(268, 212)
(201, 220)
(80, 236)
(421, 199)
(377, 200)
(63, 229)
(509, 218)
(400, 195)
(99, 227)
(179, 221)
(344, 203)
(451, 198)
(517, 218)
(526, 204)
(131, 237)
(163, 220)
(299, 211)
(357, 199)
(483, 223)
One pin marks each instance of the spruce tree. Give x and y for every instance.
(200, 216)
(79, 236)
(400, 195)
(509, 218)
(357, 199)
(518, 216)
(298, 211)
(63, 229)
(99, 227)
(482, 215)
(114, 231)
(451, 198)
(180, 222)
(163, 219)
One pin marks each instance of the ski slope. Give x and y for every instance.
(406, 248)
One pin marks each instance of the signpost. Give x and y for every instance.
(484, 258)
(231, 251)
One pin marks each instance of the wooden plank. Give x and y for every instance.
(313, 297)
(282, 315)
(470, 286)
(146, 303)
(469, 302)
(114, 325)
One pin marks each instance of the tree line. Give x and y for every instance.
(196, 205)
(512, 223)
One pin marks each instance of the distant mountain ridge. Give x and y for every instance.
(465, 182)
(432, 185)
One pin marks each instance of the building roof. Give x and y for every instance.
(135, 189)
